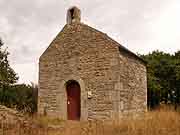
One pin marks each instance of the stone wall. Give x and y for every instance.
(116, 79)
(10, 115)
(131, 85)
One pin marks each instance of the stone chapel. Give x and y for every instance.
(84, 74)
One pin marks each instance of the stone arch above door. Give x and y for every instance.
(62, 98)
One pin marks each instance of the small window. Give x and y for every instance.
(72, 13)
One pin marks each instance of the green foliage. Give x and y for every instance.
(7, 74)
(163, 73)
(22, 97)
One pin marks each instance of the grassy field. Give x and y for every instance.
(161, 122)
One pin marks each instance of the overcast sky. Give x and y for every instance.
(28, 26)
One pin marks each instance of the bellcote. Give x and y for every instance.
(73, 15)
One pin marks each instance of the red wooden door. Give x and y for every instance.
(73, 101)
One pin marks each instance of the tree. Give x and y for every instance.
(7, 74)
(163, 72)
(177, 79)
(20, 96)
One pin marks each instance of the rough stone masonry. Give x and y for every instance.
(111, 78)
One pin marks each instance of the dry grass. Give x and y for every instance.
(45, 121)
(161, 122)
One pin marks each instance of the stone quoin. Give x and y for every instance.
(84, 74)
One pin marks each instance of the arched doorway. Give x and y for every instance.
(73, 100)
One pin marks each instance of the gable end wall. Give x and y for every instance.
(117, 80)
